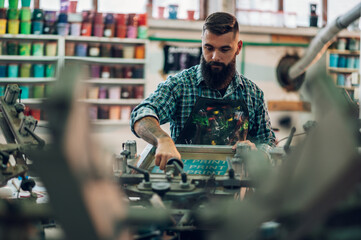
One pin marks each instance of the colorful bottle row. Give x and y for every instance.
(98, 71)
(105, 50)
(33, 91)
(27, 48)
(27, 70)
(116, 92)
(342, 61)
(110, 112)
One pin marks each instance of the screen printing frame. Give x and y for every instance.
(188, 151)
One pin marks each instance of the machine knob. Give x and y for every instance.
(160, 188)
(27, 184)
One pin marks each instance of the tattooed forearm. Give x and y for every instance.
(149, 129)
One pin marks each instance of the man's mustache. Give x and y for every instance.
(212, 63)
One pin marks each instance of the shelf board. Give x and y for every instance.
(344, 52)
(97, 122)
(297, 106)
(106, 40)
(109, 122)
(119, 81)
(32, 100)
(29, 58)
(106, 60)
(26, 80)
(112, 101)
(343, 70)
(30, 36)
(351, 88)
(170, 24)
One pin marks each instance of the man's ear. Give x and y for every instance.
(239, 46)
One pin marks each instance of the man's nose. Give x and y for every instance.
(216, 56)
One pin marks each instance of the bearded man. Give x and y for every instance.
(209, 104)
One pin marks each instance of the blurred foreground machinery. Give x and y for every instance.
(313, 194)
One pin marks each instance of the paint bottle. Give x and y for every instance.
(114, 112)
(25, 70)
(50, 70)
(121, 25)
(114, 92)
(94, 71)
(13, 14)
(127, 72)
(87, 24)
(140, 52)
(94, 50)
(106, 50)
(51, 49)
(81, 49)
(93, 92)
(12, 48)
(25, 27)
(38, 21)
(109, 27)
(127, 92)
(38, 91)
(138, 92)
(105, 72)
(3, 20)
(103, 93)
(13, 70)
(132, 28)
(93, 112)
(98, 28)
(142, 26)
(128, 51)
(117, 51)
(173, 11)
(25, 3)
(69, 48)
(38, 49)
(36, 113)
(38, 70)
(13, 4)
(2, 70)
(25, 14)
(49, 28)
(75, 20)
(13, 26)
(25, 92)
(103, 112)
(118, 72)
(63, 29)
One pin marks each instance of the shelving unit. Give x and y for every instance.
(126, 82)
(344, 67)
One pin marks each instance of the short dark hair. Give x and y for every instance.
(221, 23)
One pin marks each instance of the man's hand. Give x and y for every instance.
(148, 128)
(249, 143)
(165, 150)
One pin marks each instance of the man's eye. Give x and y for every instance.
(225, 49)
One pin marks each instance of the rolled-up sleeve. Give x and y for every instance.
(160, 105)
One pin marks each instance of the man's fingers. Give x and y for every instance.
(163, 163)
(157, 160)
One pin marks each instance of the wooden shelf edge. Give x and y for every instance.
(295, 106)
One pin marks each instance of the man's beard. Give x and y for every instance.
(218, 78)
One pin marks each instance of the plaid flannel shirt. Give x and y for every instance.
(174, 99)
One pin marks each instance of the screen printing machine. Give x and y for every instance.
(309, 191)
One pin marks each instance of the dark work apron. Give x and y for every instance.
(215, 122)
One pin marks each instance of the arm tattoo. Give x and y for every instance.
(149, 129)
